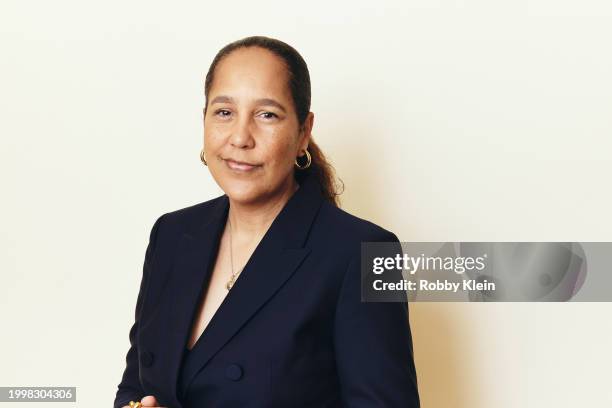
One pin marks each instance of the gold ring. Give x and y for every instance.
(135, 404)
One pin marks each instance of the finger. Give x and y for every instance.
(149, 401)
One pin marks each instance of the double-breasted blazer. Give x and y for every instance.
(291, 333)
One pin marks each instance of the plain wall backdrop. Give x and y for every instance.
(447, 120)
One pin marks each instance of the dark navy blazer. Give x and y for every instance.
(291, 333)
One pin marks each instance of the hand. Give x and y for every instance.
(148, 401)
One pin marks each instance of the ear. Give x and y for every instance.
(306, 132)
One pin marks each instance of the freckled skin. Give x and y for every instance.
(252, 132)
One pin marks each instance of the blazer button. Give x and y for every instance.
(147, 358)
(233, 372)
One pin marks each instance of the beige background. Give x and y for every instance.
(447, 120)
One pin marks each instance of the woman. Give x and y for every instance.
(252, 299)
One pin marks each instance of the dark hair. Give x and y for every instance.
(299, 84)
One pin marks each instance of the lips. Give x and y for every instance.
(241, 166)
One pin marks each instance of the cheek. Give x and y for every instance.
(281, 153)
(212, 141)
(214, 150)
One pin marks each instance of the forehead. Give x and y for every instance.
(251, 70)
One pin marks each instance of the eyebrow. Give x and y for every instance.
(261, 101)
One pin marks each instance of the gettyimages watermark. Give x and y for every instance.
(486, 271)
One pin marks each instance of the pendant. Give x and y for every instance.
(230, 283)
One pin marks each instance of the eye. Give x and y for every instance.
(224, 113)
(271, 115)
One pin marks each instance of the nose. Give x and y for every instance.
(241, 135)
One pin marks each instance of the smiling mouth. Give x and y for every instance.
(240, 166)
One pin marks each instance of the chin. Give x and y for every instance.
(243, 194)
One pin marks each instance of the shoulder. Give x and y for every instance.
(346, 224)
(346, 230)
(336, 241)
(185, 219)
(193, 214)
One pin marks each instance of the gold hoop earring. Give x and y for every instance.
(308, 161)
(203, 157)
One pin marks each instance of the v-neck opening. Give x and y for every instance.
(204, 288)
(211, 267)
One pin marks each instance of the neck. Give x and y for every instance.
(251, 220)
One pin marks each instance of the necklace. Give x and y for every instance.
(230, 282)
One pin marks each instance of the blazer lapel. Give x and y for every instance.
(195, 256)
(277, 256)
